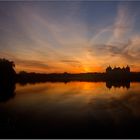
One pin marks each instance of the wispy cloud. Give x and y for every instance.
(123, 25)
(48, 43)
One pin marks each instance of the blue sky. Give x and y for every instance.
(76, 36)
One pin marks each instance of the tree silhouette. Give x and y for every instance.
(7, 71)
(7, 79)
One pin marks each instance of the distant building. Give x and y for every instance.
(118, 70)
(127, 68)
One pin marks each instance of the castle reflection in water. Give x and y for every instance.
(118, 84)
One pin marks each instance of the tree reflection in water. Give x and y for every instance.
(7, 91)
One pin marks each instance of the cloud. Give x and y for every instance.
(32, 63)
(70, 61)
(48, 42)
(123, 24)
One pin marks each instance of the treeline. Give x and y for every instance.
(58, 77)
(24, 77)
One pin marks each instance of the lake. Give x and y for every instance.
(71, 110)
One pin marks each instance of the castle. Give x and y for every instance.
(118, 70)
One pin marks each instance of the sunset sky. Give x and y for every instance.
(68, 36)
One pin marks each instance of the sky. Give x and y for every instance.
(70, 36)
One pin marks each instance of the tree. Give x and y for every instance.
(7, 72)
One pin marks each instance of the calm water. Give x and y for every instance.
(71, 110)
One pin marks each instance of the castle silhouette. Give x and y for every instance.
(114, 70)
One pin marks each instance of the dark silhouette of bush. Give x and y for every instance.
(7, 79)
(7, 72)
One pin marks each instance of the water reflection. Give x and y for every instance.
(7, 91)
(72, 110)
(118, 84)
(109, 84)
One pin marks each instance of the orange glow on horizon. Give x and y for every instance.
(69, 69)
(85, 69)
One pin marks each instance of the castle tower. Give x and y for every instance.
(108, 69)
(127, 68)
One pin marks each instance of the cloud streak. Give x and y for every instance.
(48, 43)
